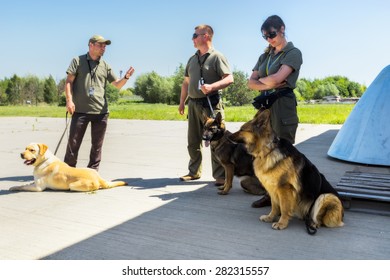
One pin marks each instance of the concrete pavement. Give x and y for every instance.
(159, 217)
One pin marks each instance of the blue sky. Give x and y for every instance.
(348, 38)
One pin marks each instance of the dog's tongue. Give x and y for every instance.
(28, 162)
(206, 143)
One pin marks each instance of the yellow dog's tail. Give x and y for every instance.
(112, 184)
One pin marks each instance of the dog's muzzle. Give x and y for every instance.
(28, 161)
(206, 137)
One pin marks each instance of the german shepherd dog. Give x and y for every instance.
(295, 185)
(232, 156)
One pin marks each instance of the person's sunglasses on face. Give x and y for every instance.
(270, 35)
(194, 36)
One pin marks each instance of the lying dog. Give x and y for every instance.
(51, 173)
(295, 185)
(232, 156)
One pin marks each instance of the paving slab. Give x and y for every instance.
(157, 217)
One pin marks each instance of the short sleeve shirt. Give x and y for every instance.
(90, 74)
(269, 63)
(215, 66)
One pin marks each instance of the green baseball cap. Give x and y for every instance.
(99, 39)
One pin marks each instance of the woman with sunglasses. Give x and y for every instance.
(275, 75)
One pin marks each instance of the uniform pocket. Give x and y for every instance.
(290, 121)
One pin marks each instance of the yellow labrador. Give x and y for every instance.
(52, 173)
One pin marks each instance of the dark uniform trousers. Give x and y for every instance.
(196, 113)
(284, 118)
(77, 130)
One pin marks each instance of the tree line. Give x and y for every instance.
(154, 88)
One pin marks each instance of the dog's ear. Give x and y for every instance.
(205, 116)
(260, 112)
(261, 118)
(218, 117)
(42, 149)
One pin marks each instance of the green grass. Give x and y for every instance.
(324, 113)
(316, 114)
(32, 111)
(143, 111)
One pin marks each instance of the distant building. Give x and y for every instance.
(331, 98)
(350, 99)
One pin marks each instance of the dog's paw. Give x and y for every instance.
(279, 226)
(315, 225)
(14, 189)
(266, 218)
(224, 189)
(223, 192)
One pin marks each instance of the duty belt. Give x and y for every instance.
(279, 91)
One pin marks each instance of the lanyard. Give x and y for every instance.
(201, 65)
(269, 58)
(202, 81)
(92, 73)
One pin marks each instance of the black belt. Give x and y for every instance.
(202, 99)
(197, 100)
(268, 97)
(208, 101)
(278, 91)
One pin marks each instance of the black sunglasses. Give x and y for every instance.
(270, 35)
(194, 36)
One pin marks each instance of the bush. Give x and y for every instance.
(153, 88)
(238, 93)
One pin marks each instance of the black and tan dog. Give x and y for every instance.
(295, 185)
(232, 156)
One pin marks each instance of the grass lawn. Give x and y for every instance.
(315, 114)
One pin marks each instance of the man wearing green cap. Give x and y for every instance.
(86, 100)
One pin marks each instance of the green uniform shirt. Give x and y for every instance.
(90, 74)
(289, 55)
(215, 66)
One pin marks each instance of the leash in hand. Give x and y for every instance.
(211, 107)
(66, 127)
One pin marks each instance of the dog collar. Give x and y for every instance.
(47, 162)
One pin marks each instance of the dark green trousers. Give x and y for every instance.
(196, 119)
(284, 118)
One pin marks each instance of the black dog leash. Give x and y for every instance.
(202, 81)
(308, 222)
(211, 107)
(66, 127)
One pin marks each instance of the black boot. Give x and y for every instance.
(262, 202)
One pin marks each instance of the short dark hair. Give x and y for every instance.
(204, 27)
(272, 22)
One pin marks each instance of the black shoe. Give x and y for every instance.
(262, 202)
